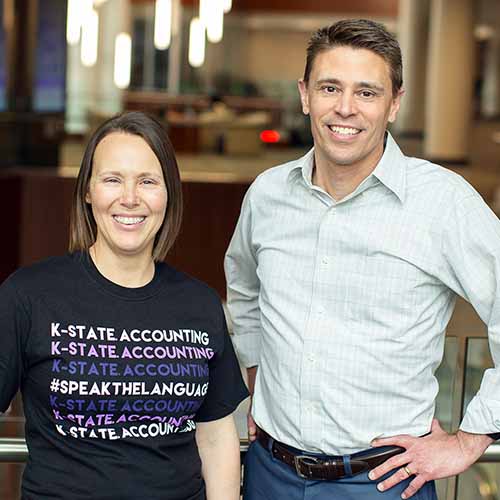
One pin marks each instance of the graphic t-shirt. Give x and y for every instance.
(114, 379)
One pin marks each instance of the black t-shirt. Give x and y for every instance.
(113, 379)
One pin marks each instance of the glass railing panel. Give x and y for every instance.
(481, 481)
(446, 375)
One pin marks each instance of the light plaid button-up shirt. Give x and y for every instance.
(344, 305)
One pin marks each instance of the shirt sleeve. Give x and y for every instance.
(243, 288)
(471, 248)
(14, 326)
(226, 388)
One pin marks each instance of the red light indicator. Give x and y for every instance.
(270, 136)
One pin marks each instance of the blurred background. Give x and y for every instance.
(222, 75)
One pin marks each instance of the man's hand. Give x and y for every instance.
(435, 456)
(252, 427)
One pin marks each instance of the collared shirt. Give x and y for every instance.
(343, 305)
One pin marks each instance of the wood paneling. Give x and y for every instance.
(46, 204)
(10, 207)
(210, 216)
(39, 204)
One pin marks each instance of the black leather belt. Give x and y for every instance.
(327, 468)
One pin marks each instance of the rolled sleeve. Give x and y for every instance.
(243, 288)
(472, 250)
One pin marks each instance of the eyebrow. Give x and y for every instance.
(119, 174)
(366, 85)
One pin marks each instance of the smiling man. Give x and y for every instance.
(342, 276)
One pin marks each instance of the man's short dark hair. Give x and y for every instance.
(358, 34)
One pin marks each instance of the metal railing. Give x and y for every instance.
(14, 450)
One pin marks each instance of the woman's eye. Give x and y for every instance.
(148, 182)
(111, 180)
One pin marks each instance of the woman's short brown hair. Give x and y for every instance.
(358, 34)
(83, 228)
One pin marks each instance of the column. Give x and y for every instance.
(92, 90)
(490, 95)
(413, 19)
(77, 92)
(114, 18)
(449, 81)
(175, 51)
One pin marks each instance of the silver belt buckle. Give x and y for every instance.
(306, 460)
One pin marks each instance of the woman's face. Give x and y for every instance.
(128, 195)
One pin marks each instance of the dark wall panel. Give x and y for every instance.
(40, 204)
(211, 213)
(10, 207)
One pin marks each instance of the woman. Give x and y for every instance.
(126, 369)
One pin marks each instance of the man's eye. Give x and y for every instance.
(330, 89)
(367, 94)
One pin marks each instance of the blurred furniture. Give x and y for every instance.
(195, 123)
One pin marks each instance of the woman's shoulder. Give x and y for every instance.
(43, 272)
(195, 287)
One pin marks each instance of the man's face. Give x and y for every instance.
(349, 99)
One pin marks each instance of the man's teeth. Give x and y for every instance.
(128, 220)
(344, 130)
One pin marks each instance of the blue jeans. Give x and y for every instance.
(266, 478)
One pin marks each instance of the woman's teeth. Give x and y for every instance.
(128, 220)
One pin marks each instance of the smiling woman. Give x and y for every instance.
(128, 198)
(124, 150)
(70, 342)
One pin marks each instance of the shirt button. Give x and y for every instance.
(311, 358)
(320, 310)
(324, 261)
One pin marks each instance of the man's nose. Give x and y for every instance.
(345, 105)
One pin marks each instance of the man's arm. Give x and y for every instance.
(219, 449)
(243, 287)
(471, 268)
(252, 427)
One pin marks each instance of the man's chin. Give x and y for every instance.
(344, 161)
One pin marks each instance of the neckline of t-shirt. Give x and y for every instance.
(139, 293)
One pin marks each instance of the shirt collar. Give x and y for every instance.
(390, 170)
(303, 167)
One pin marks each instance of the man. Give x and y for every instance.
(342, 275)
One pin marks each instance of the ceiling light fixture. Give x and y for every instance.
(196, 43)
(163, 24)
(123, 58)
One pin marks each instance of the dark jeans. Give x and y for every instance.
(266, 478)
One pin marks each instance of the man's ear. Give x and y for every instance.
(396, 102)
(304, 97)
